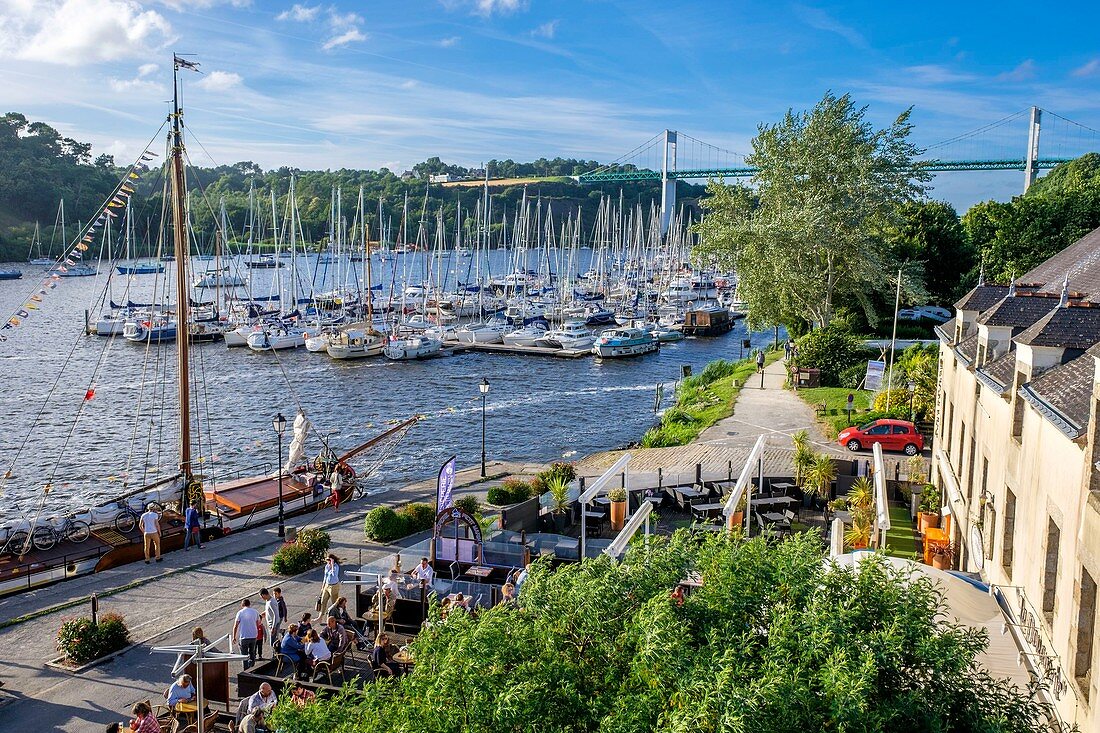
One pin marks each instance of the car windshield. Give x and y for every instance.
(867, 426)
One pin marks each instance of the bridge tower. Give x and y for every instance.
(668, 185)
(1031, 167)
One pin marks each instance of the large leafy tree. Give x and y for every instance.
(775, 639)
(810, 232)
(929, 234)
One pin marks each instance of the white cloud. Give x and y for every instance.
(450, 41)
(1089, 69)
(1023, 72)
(345, 29)
(77, 32)
(300, 13)
(490, 7)
(147, 69)
(936, 74)
(546, 30)
(140, 83)
(822, 21)
(184, 4)
(219, 81)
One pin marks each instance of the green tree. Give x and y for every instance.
(775, 639)
(931, 236)
(811, 232)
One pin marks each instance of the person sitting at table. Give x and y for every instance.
(393, 584)
(445, 607)
(461, 602)
(144, 721)
(423, 572)
(252, 723)
(334, 636)
(316, 649)
(263, 699)
(305, 625)
(180, 691)
(508, 595)
(381, 658)
(339, 610)
(293, 649)
(385, 599)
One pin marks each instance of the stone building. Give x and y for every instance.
(1016, 456)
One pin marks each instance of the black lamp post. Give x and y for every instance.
(912, 395)
(279, 423)
(484, 387)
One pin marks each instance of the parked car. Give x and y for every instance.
(899, 435)
(925, 312)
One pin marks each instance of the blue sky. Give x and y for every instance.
(366, 84)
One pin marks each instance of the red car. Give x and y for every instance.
(899, 435)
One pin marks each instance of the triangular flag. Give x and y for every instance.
(126, 187)
(90, 393)
(135, 176)
(82, 247)
(110, 213)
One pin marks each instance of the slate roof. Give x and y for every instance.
(1063, 394)
(1080, 260)
(1072, 327)
(998, 374)
(968, 349)
(982, 297)
(1018, 311)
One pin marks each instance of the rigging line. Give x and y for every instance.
(977, 130)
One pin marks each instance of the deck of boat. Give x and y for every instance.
(458, 346)
(247, 495)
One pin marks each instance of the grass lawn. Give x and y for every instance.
(700, 405)
(900, 540)
(835, 418)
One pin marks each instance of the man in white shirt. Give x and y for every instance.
(264, 699)
(150, 531)
(245, 631)
(423, 572)
(272, 618)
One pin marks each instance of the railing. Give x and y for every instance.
(65, 560)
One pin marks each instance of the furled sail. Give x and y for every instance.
(298, 445)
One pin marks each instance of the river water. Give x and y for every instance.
(538, 408)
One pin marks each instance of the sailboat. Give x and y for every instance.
(361, 340)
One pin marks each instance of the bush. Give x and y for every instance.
(383, 524)
(418, 517)
(521, 491)
(316, 542)
(715, 370)
(498, 496)
(469, 504)
(510, 491)
(542, 480)
(852, 377)
(831, 350)
(81, 641)
(291, 559)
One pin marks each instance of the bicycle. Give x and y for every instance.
(45, 536)
(16, 540)
(128, 517)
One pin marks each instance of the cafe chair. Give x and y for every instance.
(281, 661)
(207, 724)
(330, 667)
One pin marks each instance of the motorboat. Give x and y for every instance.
(318, 341)
(526, 336)
(264, 262)
(573, 335)
(624, 342)
(356, 343)
(484, 332)
(668, 335)
(417, 346)
(147, 331)
(10, 274)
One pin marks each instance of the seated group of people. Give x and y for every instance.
(306, 646)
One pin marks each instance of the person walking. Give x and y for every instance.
(283, 617)
(150, 532)
(272, 617)
(760, 360)
(192, 525)
(245, 627)
(330, 591)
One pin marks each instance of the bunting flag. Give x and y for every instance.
(110, 213)
(87, 238)
(126, 187)
(134, 176)
(36, 298)
(115, 204)
(30, 306)
(14, 321)
(61, 268)
(117, 200)
(90, 393)
(82, 247)
(70, 261)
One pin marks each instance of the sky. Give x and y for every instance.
(381, 83)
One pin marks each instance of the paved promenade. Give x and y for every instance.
(161, 603)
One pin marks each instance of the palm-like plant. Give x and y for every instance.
(559, 494)
(803, 455)
(820, 474)
(862, 494)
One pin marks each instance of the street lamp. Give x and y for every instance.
(484, 387)
(279, 423)
(912, 395)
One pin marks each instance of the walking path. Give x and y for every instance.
(161, 603)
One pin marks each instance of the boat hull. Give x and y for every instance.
(622, 351)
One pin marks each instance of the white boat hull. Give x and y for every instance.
(611, 351)
(267, 341)
(412, 349)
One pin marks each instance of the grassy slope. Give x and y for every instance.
(836, 401)
(721, 396)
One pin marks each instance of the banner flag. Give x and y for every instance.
(444, 488)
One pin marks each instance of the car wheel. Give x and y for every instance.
(853, 445)
(911, 450)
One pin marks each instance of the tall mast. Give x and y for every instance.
(179, 226)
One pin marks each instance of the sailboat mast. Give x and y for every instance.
(179, 226)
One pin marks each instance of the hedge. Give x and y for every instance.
(81, 641)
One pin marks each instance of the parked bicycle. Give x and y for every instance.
(16, 539)
(52, 531)
(128, 516)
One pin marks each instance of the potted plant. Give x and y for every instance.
(618, 508)
(929, 509)
(859, 535)
(736, 520)
(819, 476)
(943, 555)
(559, 501)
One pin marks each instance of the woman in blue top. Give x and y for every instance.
(292, 647)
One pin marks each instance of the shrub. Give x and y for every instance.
(81, 641)
(521, 491)
(852, 377)
(499, 496)
(510, 491)
(291, 559)
(831, 350)
(316, 542)
(383, 524)
(715, 370)
(418, 517)
(469, 504)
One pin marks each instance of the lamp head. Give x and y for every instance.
(484, 386)
(912, 386)
(279, 423)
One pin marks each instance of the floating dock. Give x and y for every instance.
(462, 346)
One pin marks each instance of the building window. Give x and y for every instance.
(1009, 532)
(1086, 632)
(970, 473)
(1050, 569)
(950, 426)
(962, 448)
(1018, 406)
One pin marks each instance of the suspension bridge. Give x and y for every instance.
(671, 156)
